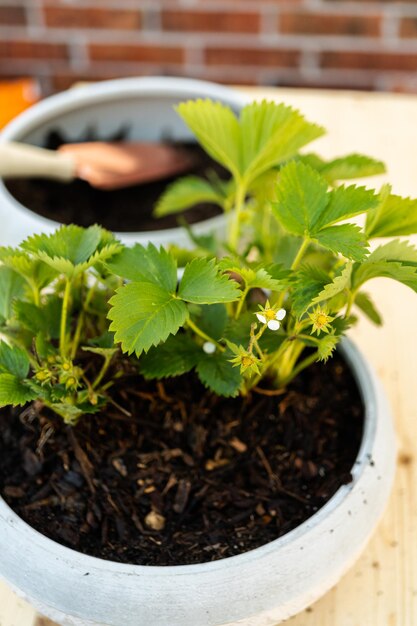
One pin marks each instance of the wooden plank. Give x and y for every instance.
(381, 589)
(13, 611)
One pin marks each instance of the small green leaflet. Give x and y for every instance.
(12, 286)
(396, 260)
(365, 304)
(14, 392)
(71, 249)
(310, 282)
(266, 134)
(217, 373)
(270, 134)
(301, 198)
(178, 355)
(326, 346)
(143, 314)
(345, 239)
(238, 331)
(203, 284)
(185, 193)
(34, 271)
(45, 319)
(346, 202)
(213, 319)
(253, 277)
(72, 243)
(394, 217)
(306, 208)
(346, 167)
(146, 264)
(339, 283)
(216, 128)
(395, 250)
(13, 361)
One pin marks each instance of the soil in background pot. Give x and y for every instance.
(121, 210)
(172, 474)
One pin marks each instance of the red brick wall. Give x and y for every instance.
(359, 44)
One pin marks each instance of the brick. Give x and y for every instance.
(211, 21)
(12, 15)
(141, 53)
(78, 17)
(369, 61)
(264, 57)
(27, 49)
(309, 23)
(408, 27)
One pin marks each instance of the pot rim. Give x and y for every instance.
(108, 91)
(368, 386)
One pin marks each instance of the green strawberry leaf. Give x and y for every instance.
(40, 319)
(13, 361)
(202, 283)
(270, 134)
(185, 193)
(345, 239)
(146, 264)
(177, 356)
(301, 198)
(365, 304)
(12, 286)
(14, 391)
(71, 250)
(143, 314)
(308, 284)
(217, 130)
(396, 260)
(327, 346)
(394, 217)
(346, 167)
(344, 203)
(266, 134)
(217, 374)
(338, 284)
(213, 319)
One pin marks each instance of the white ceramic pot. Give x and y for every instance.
(259, 588)
(143, 105)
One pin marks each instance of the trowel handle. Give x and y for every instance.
(18, 160)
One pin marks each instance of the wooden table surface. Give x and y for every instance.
(381, 589)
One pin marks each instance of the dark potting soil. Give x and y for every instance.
(179, 475)
(122, 210)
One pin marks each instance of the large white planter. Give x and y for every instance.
(144, 105)
(258, 588)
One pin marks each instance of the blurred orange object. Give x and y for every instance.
(16, 96)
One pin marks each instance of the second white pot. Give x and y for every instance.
(259, 588)
(143, 105)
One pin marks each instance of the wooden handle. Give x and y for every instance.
(20, 160)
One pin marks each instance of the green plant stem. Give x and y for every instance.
(100, 375)
(35, 292)
(300, 253)
(80, 322)
(239, 204)
(299, 368)
(64, 315)
(294, 266)
(241, 302)
(308, 338)
(204, 335)
(350, 302)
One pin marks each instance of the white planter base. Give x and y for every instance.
(259, 588)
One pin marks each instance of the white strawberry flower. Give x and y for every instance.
(270, 317)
